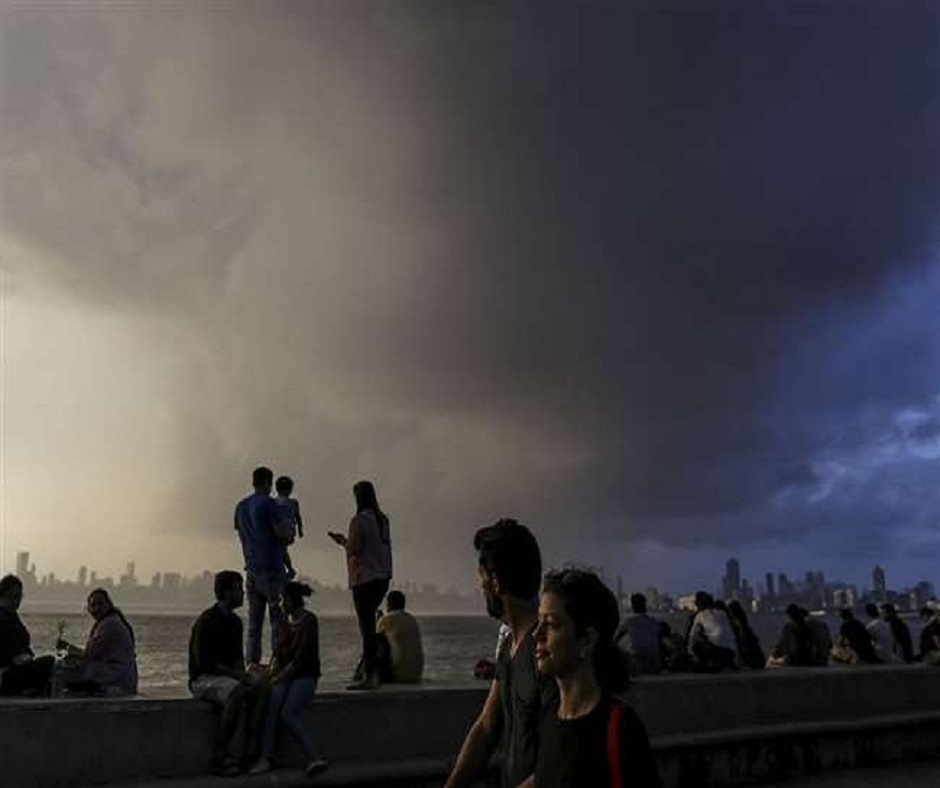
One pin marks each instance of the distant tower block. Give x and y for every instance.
(879, 584)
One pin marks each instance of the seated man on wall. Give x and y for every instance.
(217, 673)
(403, 634)
(641, 636)
(711, 639)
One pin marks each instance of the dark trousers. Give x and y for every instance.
(29, 678)
(366, 598)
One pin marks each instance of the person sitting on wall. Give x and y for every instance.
(292, 676)
(108, 663)
(750, 654)
(217, 674)
(820, 639)
(855, 636)
(930, 637)
(675, 654)
(403, 635)
(903, 645)
(21, 672)
(795, 648)
(882, 637)
(711, 639)
(640, 633)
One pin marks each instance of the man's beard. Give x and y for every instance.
(494, 605)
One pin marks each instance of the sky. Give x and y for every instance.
(656, 278)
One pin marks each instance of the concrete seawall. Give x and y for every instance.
(707, 730)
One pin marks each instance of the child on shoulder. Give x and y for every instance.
(290, 523)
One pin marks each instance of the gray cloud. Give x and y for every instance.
(592, 265)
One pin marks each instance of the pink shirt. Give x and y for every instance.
(368, 549)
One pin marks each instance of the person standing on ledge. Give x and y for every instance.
(368, 547)
(403, 634)
(510, 570)
(256, 521)
(591, 739)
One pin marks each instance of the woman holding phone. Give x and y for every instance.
(368, 546)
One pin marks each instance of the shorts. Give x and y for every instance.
(215, 689)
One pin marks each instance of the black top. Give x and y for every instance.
(929, 638)
(573, 753)
(14, 637)
(858, 637)
(524, 695)
(902, 635)
(216, 639)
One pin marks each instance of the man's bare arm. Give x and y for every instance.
(479, 744)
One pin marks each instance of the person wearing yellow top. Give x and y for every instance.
(404, 640)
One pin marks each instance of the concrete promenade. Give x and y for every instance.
(783, 727)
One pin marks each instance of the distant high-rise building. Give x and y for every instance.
(732, 578)
(769, 585)
(22, 564)
(879, 584)
(82, 576)
(172, 581)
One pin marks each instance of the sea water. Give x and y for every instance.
(452, 644)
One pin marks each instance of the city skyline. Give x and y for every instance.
(776, 591)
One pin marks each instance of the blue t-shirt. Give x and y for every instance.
(255, 517)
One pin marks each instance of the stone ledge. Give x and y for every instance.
(707, 730)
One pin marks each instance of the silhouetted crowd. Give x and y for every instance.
(718, 637)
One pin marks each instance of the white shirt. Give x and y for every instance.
(883, 639)
(716, 627)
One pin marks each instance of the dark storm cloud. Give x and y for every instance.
(610, 243)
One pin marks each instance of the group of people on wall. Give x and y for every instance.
(106, 665)
(719, 638)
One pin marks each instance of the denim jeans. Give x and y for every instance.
(262, 590)
(286, 703)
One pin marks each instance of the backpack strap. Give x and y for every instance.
(613, 744)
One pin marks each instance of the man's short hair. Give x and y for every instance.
(284, 485)
(225, 581)
(508, 550)
(846, 614)
(8, 583)
(871, 609)
(638, 603)
(262, 476)
(395, 600)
